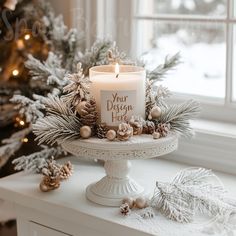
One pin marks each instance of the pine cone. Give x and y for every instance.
(89, 115)
(124, 132)
(49, 183)
(102, 131)
(137, 123)
(150, 103)
(124, 209)
(51, 168)
(163, 129)
(149, 127)
(66, 171)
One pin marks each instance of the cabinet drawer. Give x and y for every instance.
(36, 229)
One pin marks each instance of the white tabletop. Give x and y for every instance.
(70, 198)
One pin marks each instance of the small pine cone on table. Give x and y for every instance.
(49, 183)
(89, 115)
(137, 123)
(51, 176)
(101, 131)
(149, 127)
(66, 170)
(124, 132)
(124, 209)
(163, 129)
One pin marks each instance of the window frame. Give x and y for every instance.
(210, 106)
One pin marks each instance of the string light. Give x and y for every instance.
(22, 123)
(27, 37)
(20, 44)
(25, 140)
(15, 72)
(19, 122)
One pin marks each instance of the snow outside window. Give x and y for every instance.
(203, 31)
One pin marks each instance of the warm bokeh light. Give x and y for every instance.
(22, 123)
(20, 44)
(25, 140)
(27, 37)
(15, 72)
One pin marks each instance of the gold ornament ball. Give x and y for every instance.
(85, 132)
(156, 135)
(111, 135)
(154, 113)
(141, 203)
(43, 187)
(80, 108)
(130, 201)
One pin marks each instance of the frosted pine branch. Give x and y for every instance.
(179, 116)
(55, 106)
(77, 89)
(18, 136)
(192, 191)
(12, 145)
(57, 128)
(60, 123)
(50, 72)
(160, 71)
(36, 161)
(8, 150)
(97, 55)
(32, 110)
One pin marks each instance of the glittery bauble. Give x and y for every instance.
(154, 113)
(111, 135)
(85, 132)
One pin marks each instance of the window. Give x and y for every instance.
(204, 31)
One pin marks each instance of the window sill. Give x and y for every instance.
(212, 147)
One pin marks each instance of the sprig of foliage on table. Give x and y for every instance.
(192, 191)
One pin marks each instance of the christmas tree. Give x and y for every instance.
(38, 50)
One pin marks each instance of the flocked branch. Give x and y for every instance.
(179, 116)
(59, 125)
(36, 161)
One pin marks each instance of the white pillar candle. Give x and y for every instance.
(118, 95)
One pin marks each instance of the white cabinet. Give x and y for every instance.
(41, 230)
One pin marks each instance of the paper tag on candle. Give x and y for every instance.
(117, 106)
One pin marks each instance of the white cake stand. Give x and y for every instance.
(117, 184)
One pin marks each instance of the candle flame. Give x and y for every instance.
(117, 70)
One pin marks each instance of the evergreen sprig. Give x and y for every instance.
(160, 71)
(192, 191)
(179, 116)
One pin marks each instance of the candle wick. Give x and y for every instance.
(117, 75)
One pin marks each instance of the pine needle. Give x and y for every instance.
(178, 117)
(54, 128)
(160, 71)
